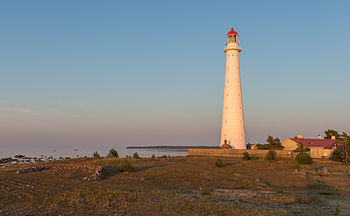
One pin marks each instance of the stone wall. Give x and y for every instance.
(235, 153)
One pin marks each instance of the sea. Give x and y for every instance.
(64, 151)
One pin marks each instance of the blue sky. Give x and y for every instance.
(152, 72)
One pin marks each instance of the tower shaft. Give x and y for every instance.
(232, 116)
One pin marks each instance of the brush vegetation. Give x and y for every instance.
(175, 186)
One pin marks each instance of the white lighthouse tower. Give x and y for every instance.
(232, 130)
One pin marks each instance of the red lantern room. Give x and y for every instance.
(232, 37)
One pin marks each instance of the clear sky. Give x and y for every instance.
(152, 72)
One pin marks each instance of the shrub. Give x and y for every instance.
(254, 157)
(136, 156)
(126, 166)
(270, 155)
(153, 157)
(96, 155)
(296, 166)
(325, 193)
(219, 163)
(112, 154)
(164, 157)
(205, 191)
(338, 155)
(303, 158)
(338, 209)
(246, 156)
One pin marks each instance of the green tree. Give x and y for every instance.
(270, 140)
(330, 132)
(262, 146)
(136, 156)
(96, 155)
(301, 149)
(113, 154)
(338, 155)
(270, 155)
(303, 156)
(345, 138)
(272, 143)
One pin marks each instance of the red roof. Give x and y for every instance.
(325, 143)
(232, 32)
(225, 146)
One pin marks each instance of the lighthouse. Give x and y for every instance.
(232, 130)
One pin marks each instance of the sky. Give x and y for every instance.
(91, 73)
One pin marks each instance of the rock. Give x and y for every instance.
(6, 160)
(33, 169)
(97, 175)
(322, 171)
(19, 156)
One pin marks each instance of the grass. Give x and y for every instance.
(325, 193)
(170, 187)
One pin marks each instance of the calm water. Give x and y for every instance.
(56, 152)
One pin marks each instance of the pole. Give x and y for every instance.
(347, 151)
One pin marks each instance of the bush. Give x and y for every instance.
(296, 166)
(164, 157)
(303, 158)
(96, 155)
(112, 154)
(219, 163)
(253, 157)
(338, 155)
(246, 156)
(270, 155)
(136, 156)
(126, 166)
(205, 191)
(153, 157)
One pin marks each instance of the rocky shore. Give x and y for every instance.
(21, 159)
(100, 171)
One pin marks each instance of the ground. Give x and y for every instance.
(177, 186)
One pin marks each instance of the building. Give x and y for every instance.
(232, 128)
(319, 148)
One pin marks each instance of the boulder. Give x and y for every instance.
(97, 175)
(322, 171)
(6, 160)
(19, 156)
(33, 169)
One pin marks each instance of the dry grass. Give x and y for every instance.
(179, 186)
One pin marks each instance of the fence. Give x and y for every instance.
(235, 152)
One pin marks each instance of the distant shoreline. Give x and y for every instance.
(172, 147)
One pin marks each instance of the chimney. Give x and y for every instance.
(300, 136)
(333, 138)
(319, 137)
